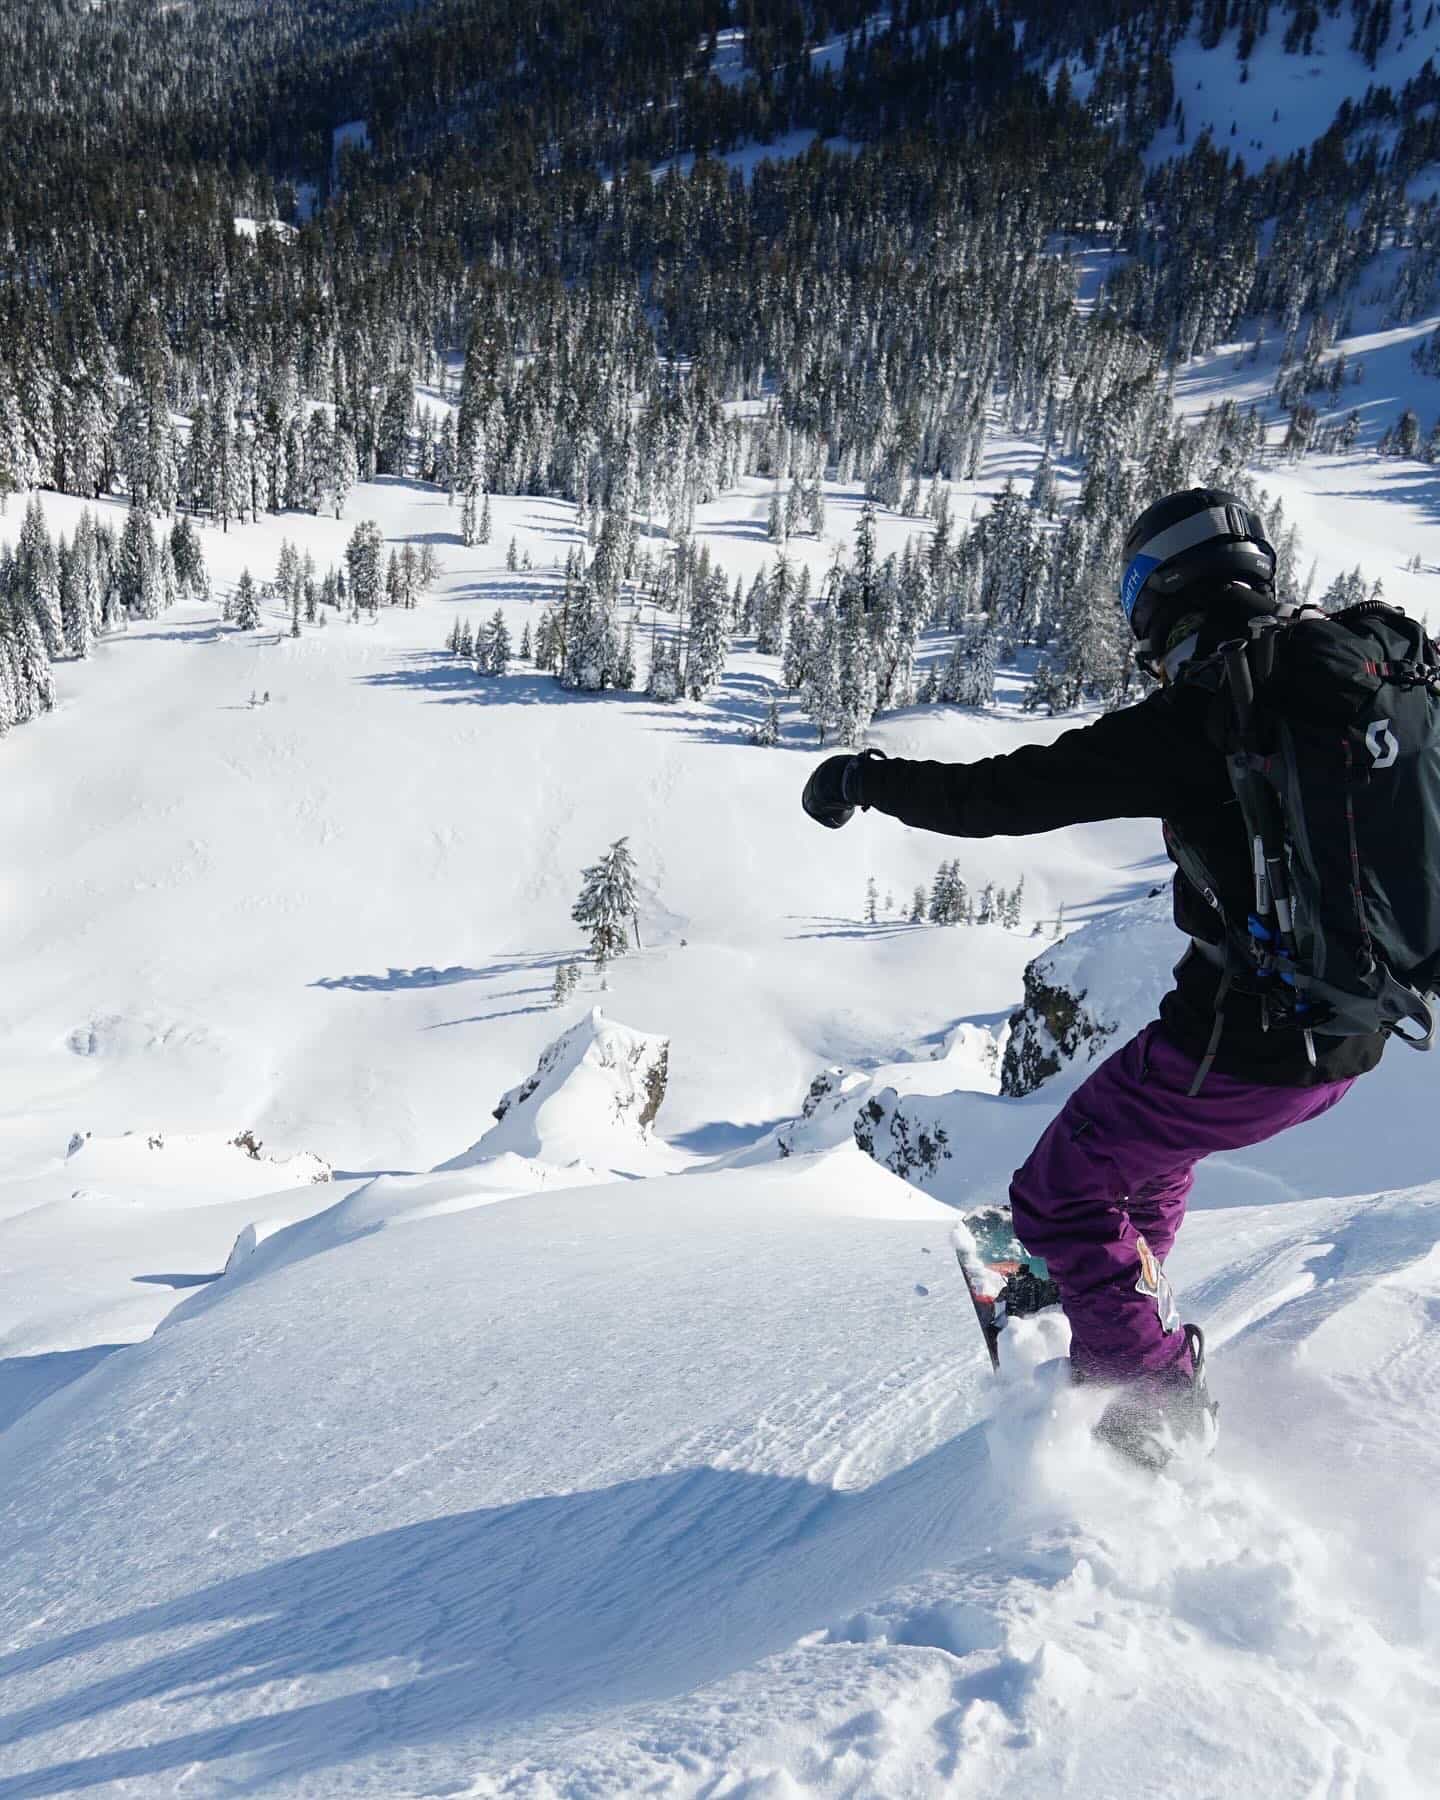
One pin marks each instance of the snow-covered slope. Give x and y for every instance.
(1277, 102)
(633, 1450)
(685, 1486)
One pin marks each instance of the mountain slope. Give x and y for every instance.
(556, 1496)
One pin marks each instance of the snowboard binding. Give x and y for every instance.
(1156, 1422)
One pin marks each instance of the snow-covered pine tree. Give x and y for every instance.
(856, 695)
(74, 612)
(363, 559)
(774, 601)
(245, 603)
(496, 656)
(38, 573)
(625, 670)
(608, 906)
(820, 680)
(663, 680)
(343, 469)
(138, 567)
(775, 529)
(189, 559)
(707, 643)
(942, 897)
(969, 676)
(816, 509)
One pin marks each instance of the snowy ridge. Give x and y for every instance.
(592, 1099)
(811, 1565)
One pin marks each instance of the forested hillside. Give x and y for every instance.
(247, 233)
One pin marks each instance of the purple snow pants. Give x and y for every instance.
(1111, 1176)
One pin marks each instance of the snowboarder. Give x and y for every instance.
(1103, 1193)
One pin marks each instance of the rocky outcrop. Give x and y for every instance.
(592, 1099)
(900, 1135)
(1092, 989)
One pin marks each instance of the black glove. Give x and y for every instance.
(834, 790)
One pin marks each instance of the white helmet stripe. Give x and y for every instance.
(1215, 521)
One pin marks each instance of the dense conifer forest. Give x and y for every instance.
(243, 234)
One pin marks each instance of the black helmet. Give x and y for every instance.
(1203, 536)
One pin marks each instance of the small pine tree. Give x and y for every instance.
(527, 649)
(245, 605)
(560, 993)
(872, 902)
(767, 732)
(495, 654)
(482, 535)
(917, 906)
(608, 903)
(512, 556)
(624, 671)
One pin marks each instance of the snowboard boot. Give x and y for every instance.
(1165, 1417)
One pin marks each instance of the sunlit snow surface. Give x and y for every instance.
(531, 1477)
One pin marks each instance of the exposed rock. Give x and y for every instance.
(592, 1099)
(1094, 987)
(897, 1134)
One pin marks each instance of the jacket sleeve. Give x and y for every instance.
(1147, 761)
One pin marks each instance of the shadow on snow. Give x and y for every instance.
(426, 976)
(550, 1606)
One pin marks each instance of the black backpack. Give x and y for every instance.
(1330, 727)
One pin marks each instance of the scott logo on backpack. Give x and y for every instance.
(1382, 744)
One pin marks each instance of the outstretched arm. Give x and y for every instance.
(1147, 761)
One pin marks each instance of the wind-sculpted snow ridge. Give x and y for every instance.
(201, 1164)
(591, 1101)
(703, 1486)
(582, 1118)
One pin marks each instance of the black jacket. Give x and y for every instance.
(1153, 760)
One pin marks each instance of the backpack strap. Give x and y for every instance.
(1207, 1061)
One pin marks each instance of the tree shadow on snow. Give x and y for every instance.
(852, 928)
(450, 682)
(179, 1281)
(511, 1012)
(399, 980)
(496, 1617)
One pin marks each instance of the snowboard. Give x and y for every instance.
(1003, 1280)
